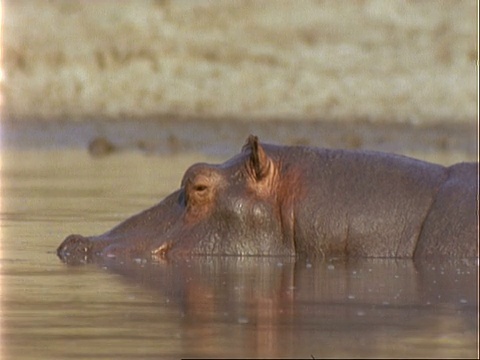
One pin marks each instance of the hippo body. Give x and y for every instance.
(287, 200)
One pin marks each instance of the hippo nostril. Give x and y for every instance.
(74, 245)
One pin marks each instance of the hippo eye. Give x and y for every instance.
(200, 188)
(198, 194)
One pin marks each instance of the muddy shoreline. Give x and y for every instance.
(174, 134)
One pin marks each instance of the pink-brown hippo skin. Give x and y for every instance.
(287, 200)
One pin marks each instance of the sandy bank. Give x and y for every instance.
(376, 60)
(444, 143)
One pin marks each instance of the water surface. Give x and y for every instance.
(200, 307)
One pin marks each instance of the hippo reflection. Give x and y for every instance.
(291, 307)
(288, 200)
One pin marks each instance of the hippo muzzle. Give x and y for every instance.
(76, 248)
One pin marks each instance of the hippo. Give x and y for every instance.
(273, 200)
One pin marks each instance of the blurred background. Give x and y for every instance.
(407, 64)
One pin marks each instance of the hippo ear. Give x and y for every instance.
(259, 161)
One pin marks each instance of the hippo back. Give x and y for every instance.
(452, 222)
(363, 204)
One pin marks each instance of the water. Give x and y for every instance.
(203, 307)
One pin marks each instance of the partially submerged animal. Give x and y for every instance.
(287, 200)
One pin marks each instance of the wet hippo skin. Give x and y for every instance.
(288, 200)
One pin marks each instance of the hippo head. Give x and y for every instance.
(232, 208)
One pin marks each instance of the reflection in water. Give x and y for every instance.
(279, 306)
(203, 306)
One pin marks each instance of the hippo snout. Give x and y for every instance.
(76, 248)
